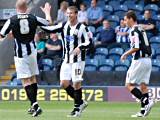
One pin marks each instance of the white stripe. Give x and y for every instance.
(5, 27)
(52, 28)
(42, 21)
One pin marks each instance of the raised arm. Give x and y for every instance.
(47, 11)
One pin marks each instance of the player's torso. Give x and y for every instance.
(23, 27)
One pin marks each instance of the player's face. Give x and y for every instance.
(127, 21)
(72, 16)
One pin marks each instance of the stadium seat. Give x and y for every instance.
(92, 62)
(47, 64)
(115, 53)
(129, 3)
(152, 7)
(120, 14)
(155, 68)
(105, 68)
(118, 51)
(90, 68)
(121, 8)
(114, 20)
(120, 63)
(155, 39)
(101, 51)
(100, 28)
(138, 9)
(92, 29)
(121, 68)
(157, 54)
(106, 62)
(108, 9)
(156, 63)
(106, 65)
(155, 45)
(140, 18)
(114, 3)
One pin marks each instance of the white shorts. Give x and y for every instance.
(26, 67)
(72, 71)
(139, 71)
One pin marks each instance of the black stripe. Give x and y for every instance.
(75, 59)
(83, 50)
(34, 44)
(15, 47)
(19, 50)
(68, 42)
(28, 49)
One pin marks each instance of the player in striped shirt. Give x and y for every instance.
(23, 27)
(75, 39)
(140, 69)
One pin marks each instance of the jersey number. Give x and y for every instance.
(24, 26)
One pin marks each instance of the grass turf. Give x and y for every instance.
(58, 110)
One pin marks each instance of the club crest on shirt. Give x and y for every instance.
(69, 38)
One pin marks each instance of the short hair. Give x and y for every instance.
(21, 4)
(73, 8)
(65, 4)
(131, 14)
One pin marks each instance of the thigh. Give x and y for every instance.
(22, 68)
(33, 64)
(65, 71)
(77, 71)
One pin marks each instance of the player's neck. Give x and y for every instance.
(73, 23)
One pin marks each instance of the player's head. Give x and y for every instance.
(72, 13)
(147, 14)
(130, 18)
(21, 5)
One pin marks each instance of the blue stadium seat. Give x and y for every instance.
(101, 51)
(113, 18)
(120, 14)
(155, 45)
(129, 3)
(156, 63)
(106, 65)
(152, 7)
(90, 68)
(118, 51)
(121, 8)
(106, 62)
(138, 9)
(114, 3)
(121, 68)
(92, 29)
(155, 68)
(47, 64)
(155, 39)
(100, 28)
(108, 10)
(115, 53)
(120, 63)
(157, 54)
(140, 18)
(105, 68)
(92, 62)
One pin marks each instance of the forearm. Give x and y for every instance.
(131, 51)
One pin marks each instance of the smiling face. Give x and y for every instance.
(72, 14)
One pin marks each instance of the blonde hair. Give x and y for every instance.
(64, 4)
(21, 4)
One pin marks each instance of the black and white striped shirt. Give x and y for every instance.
(72, 37)
(139, 40)
(23, 28)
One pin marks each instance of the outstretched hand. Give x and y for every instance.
(47, 8)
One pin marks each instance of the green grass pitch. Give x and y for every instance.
(58, 110)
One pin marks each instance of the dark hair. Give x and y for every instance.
(131, 14)
(83, 4)
(73, 8)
